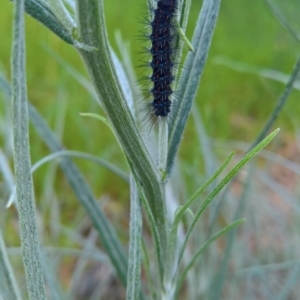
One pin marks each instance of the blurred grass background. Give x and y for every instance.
(234, 105)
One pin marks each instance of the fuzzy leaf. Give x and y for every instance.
(223, 183)
(81, 190)
(22, 163)
(191, 75)
(44, 15)
(100, 65)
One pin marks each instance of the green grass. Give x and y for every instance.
(234, 106)
(224, 94)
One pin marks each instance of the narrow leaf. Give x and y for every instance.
(279, 105)
(282, 20)
(9, 276)
(256, 70)
(223, 183)
(92, 30)
(51, 278)
(134, 259)
(155, 232)
(163, 148)
(81, 190)
(70, 153)
(182, 35)
(104, 163)
(191, 74)
(44, 15)
(22, 163)
(267, 268)
(63, 16)
(85, 196)
(171, 259)
(202, 249)
(203, 187)
(82, 80)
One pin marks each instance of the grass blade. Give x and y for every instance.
(22, 163)
(44, 15)
(163, 149)
(9, 276)
(292, 280)
(223, 183)
(88, 244)
(51, 278)
(182, 20)
(63, 16)
(205, 143)
(281, 19)
(279, 105)
(154, 231)
(82, 192)
(290, 80)
(146, 265)
(100, 65)
(6, 172)
(82, 80)
(256, 70)
(219, 281)
(134, 259)
(102, 162)
(220, 277)
(191, 74)
(202, 249)
(203, 187)
(265, 268)
(172, 264)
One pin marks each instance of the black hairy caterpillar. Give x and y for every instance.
(162, 53)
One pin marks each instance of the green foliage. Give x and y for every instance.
(9, 276)
(22, 163)
(164, 254)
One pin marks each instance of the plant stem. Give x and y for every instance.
(99, 63)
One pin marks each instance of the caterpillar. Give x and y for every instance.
(162, 63)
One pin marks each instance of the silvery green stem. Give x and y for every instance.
(163, 148)
(22, 163)
(81, 189)
(92, 31)
(134, 261)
